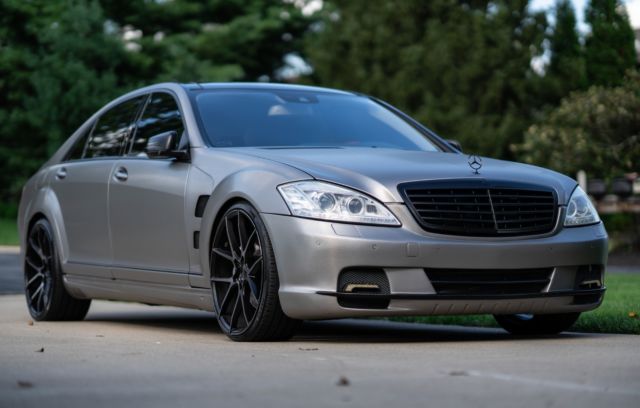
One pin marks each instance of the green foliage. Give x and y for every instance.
(8, 232)
(463, 68)
(597, 131)
(566, 71)
(57, 67)
(610, 49)
(62, 60)
(214, 40)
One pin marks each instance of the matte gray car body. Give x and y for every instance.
(135, 243)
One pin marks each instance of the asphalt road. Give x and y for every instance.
(127, 354)
(11, 280)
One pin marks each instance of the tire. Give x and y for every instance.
(537, 324)
(244, 279)
(47, 298)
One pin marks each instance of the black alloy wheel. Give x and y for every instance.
(244, 279)
(37, 271)
(541, 324)
(47, 298)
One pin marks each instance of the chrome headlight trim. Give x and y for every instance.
(580, 210)
(329, 202)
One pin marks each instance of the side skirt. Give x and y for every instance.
(91, 287)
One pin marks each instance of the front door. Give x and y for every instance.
(147, 203)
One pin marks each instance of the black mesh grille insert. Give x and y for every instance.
(488, 281)
(364, 276)
(478, 209)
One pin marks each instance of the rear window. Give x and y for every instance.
(242, 118)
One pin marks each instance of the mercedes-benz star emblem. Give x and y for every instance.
(475, 162)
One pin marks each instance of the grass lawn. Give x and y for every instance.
(8, 232)
(619, 313)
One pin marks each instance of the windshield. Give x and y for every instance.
(283, 118)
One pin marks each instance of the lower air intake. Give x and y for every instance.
(489, 281)
(365, 281)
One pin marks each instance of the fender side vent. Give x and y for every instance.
(201, 204)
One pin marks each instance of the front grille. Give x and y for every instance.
(476, 208)
(489, 281)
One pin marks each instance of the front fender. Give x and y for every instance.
(258, 186)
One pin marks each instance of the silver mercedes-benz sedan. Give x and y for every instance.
(269, 204)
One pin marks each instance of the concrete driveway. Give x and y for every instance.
(143, 356)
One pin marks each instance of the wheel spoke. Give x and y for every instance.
(244, 310)
(32, 264)
(36, 248)
(248, 243)
(226, 297)
(40, 288)
(231, 238)
(253, 293)
(221, 252)
(222, 280)
(241, 249)
(34, 277)
(251, 270)
(43, 240)
(40, 300)
(234, 313)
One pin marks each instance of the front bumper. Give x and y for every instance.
(310, 255)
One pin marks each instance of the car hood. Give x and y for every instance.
(379, 171)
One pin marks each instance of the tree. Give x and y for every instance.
(461, 67)
(212, 40)
(566, 71)
(597, 130)
(62, 60)
(610, 49)
(58, 66)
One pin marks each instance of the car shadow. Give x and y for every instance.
(328, 331)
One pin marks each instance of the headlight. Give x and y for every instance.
(324, 201)
(580, 211)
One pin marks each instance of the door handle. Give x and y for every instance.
(121, 174)
(61, 173)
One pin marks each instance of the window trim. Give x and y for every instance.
(129, 130)
(86, 134)
(132, 136)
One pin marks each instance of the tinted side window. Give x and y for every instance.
(76, 151)
(160, 115)
(110, 133)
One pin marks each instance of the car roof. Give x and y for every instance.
(260, 86)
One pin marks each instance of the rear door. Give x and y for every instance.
(81, 185)
(147, 203)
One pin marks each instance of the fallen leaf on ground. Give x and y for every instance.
(30, 322)
(633, 315)
(343, 381)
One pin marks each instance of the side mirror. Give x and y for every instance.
(162, 147)
(455, 144)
